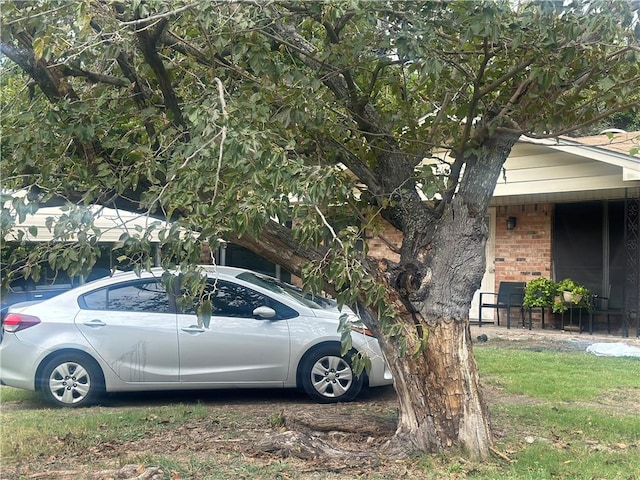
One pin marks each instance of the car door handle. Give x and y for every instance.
(193, 329)
(95, 323)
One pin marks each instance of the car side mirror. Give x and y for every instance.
(264, 312)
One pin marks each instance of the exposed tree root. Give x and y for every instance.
(500, 454)
(363, 425)
(306, 437)
(128, 472)
(302, 445)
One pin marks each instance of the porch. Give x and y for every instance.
(591, 320)
(569, 340)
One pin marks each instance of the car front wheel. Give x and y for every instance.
(71, 380)
(327, 377)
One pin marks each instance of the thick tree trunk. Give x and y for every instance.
(440, 400)
(439, 395)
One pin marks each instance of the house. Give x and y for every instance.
(575, 204)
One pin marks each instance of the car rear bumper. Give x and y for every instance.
(18, 362)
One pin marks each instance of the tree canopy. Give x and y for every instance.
(230, 118)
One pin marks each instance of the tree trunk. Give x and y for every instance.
(439, 395)
(440, 401)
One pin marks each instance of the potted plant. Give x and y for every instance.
(573, 292)
(540, 292)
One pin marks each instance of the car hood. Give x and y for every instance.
(334, 312)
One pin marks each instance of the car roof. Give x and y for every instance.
(211, 271)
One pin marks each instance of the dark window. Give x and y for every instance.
(231, 300)
(237, 256)
(578, 243)
(291, 291)
(147, 296)
(589, 246)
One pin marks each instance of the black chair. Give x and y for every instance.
(600, 306)
(510, 295)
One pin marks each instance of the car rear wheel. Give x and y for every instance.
(71, 380)
(327, 377)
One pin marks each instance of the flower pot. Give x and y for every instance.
(571, 297)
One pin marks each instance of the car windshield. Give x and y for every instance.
(291, 291)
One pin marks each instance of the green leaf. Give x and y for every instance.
(203, 312)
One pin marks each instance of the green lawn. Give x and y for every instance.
(569, 415)
(555, 416)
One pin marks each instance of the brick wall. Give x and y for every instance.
(523, 253)
(378, 244)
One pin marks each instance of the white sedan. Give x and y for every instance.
(130, 333)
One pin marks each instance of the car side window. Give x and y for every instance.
(231, 300)
(144, 296)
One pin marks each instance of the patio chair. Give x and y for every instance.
(600, 306)
(510, 295)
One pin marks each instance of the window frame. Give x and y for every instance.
(82, 302)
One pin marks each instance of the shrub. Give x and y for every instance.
(540, 292)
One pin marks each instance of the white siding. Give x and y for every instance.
(112, 224)
(539, 173)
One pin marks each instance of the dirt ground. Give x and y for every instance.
(265, 414)
(550, 339)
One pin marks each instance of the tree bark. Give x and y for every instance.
(304, 446)
(440, 401)
(439, 395)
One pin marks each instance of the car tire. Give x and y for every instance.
(71, 380)
(326, 377)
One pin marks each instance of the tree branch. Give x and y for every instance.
(393, 170)
(93, 77)
(161, 16)
(172, 40)
(276, 243)
(142, 91)
(147, 42)
(573, 128)
(357, 167)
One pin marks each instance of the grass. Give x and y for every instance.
(553, 376)
(568, 442)
(25, 433)
(556, 416)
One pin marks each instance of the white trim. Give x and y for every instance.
(112, 224)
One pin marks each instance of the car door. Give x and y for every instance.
(238, 347)
(132, 326)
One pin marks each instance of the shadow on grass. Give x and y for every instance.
(26, 400)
